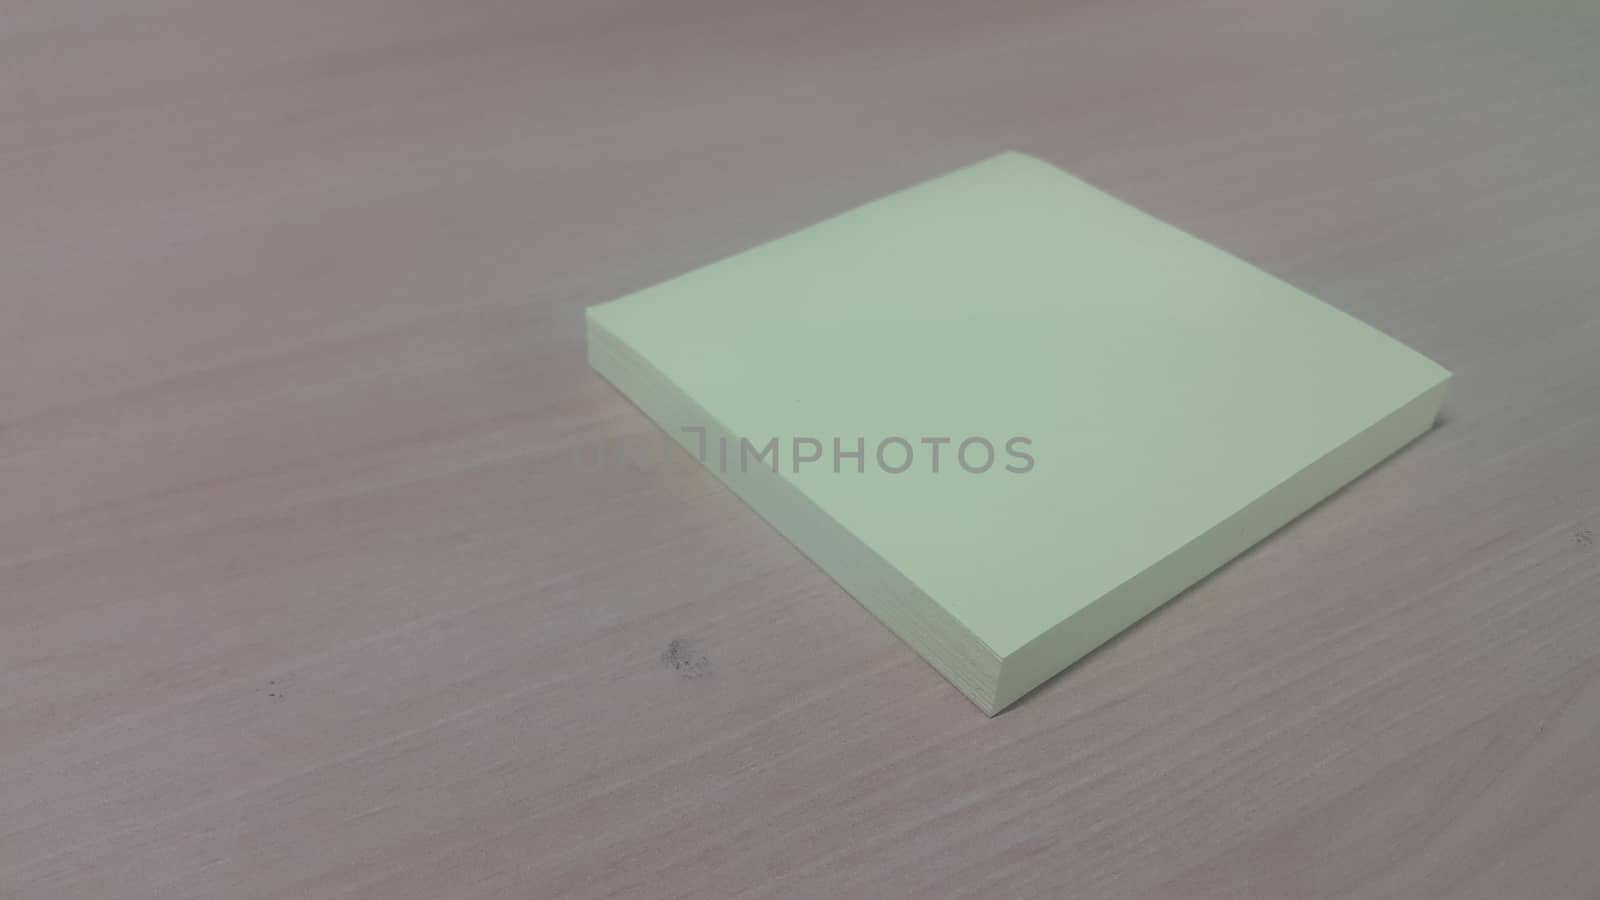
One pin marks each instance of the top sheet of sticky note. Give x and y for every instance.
(1160, 383)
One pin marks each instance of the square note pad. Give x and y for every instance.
(1007, 412)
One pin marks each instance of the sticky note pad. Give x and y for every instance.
(1008, 413)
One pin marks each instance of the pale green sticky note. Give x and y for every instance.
(1154, 406)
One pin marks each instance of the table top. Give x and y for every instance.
(306, 590)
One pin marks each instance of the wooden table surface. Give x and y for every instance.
(306, 590)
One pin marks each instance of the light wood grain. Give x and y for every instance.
(304, 592)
